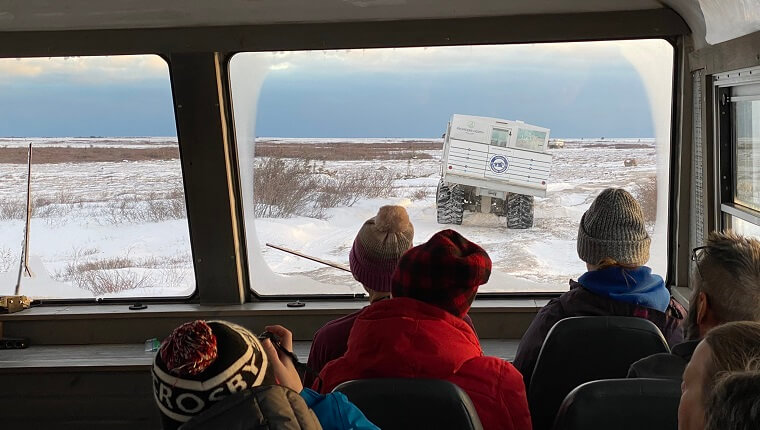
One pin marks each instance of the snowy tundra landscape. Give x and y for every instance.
(109, 213)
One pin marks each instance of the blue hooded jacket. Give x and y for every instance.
(635, 286)
(336, 412)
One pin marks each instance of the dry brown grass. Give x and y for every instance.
(284, 188)
(86, 155)
(6, 259)
(342, 151)
(121, 273)
(615, 145)
(419, 194)
(12, 209)
(105, 264)
(646, 194)
(332, 151)
(152, 207)
(102, 276)
(42, 207)
(148, 207)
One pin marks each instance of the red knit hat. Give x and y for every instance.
(445, 271)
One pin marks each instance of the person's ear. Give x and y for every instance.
(701, 307)
(703, 311)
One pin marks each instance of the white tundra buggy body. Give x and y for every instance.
(494, 166)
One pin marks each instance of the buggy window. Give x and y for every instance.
(500, 137)
(530, 139)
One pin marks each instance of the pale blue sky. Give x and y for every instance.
(576, 90)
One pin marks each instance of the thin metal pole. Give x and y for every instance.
(309, 257)
(24, 265)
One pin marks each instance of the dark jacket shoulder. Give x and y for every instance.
(330, 342)
(665, 366)
(266, 407)
(579, 301)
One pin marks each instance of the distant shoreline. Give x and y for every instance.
(94, 150)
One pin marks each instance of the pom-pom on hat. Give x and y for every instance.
(190, 349)
(201, 363)
(613, 227)
(381, 241)
(445, 271)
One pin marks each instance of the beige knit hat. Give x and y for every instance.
(613, 227)
(378, 246)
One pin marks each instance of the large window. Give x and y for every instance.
(738, 98)
(747, 153)
(530, 139)
(108, 214)
(327, 137)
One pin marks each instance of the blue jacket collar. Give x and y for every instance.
(636, 286)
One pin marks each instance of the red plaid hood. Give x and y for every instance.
(407, 338)
(445, 271)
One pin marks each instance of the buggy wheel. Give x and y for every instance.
(450, 203)
(519, 209)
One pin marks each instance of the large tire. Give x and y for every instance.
(519, 211)
(450, 203)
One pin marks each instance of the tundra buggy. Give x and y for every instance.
(492, 165)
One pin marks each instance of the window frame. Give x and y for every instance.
(725, 85)
(219, 277)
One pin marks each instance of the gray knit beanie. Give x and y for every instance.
(378, 246)
(613, 227)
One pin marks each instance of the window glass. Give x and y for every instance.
(530, 139)
(745, 228)
(325, 138)
(108, 214)
(499, 137)
(747, 153)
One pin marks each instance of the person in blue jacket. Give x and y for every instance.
(211, 372)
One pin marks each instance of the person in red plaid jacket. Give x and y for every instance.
(420, 333)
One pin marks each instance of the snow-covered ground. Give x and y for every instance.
(88, 142)
(99, 224)
(542, 258)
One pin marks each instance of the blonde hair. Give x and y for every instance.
(735, 347)
(734, 402)
(729, 274)
(607, 262)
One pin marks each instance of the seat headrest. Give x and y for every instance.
(583, 349)
(396, 403)
(622, 404)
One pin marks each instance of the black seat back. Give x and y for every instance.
(412, 403)
(621, 404)
(583, 349)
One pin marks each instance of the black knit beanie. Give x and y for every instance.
(201, 363)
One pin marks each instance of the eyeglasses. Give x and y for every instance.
(697, 254)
